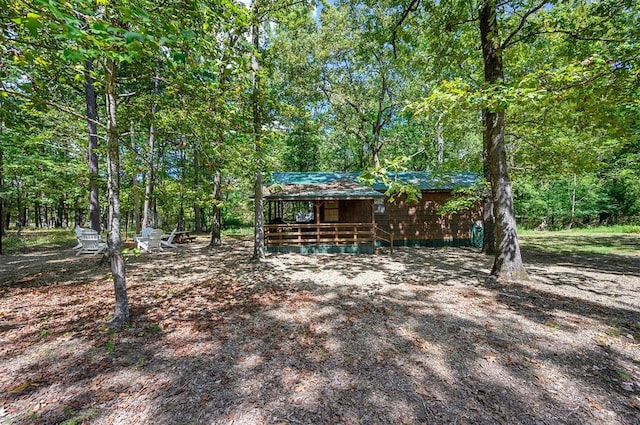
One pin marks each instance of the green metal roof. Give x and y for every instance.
(429, 181)
(290, 186)
(313, 178)
(329, 195)
(345, 185)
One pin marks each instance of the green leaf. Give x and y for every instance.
(72, 55)
(179, 57)
(131, 36)
(32, 23)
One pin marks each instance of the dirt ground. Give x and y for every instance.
(413, 338)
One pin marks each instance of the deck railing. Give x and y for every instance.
(320, 233)
(383, 235)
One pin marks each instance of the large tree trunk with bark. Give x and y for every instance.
(92, 118)
(508, 264)
(121, 314)
(488, 221)
(258, 209)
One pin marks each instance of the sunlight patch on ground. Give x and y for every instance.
(303, 314)
(336, 277)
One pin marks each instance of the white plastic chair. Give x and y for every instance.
(152, 242)
(78, 231)
(90, 243)
(169, 241)
(146, 231)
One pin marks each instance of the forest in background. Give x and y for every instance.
(338, 86)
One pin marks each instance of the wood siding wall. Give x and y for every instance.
(421, 221)
(352, 211)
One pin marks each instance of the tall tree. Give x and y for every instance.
(134, 181)
(147, 219)
(121, 314)
(258, 240)
(508, 264)
(359, 75)
(92, 119)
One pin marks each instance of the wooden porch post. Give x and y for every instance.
(373, 222)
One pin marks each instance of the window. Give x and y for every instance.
(331, 211)
(379, 206)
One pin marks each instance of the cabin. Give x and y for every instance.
(334, 212)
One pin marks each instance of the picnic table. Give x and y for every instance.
(184, 236)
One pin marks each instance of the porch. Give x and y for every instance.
(322, 222)
(325, 237)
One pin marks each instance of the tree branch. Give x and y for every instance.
(412, 7)
(523, 20)
(54, 105)
(571, 34)
(268, 11)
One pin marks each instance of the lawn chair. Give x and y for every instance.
(146, 231)
(152, 242)
(169, 239)
(91, 243)
(78, 231)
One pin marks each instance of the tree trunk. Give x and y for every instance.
(489, 241)
(1, 191)
(181, 220)
(154, 214)
(258, 209)
(134, 183)
(216, 224)
(46, 216)
(376, 158)
(440, 138)
(148, 192)
(573, 201)
(37, 218)
(121, 314)
(25, 212)
(92, 118)
(19, 211)
(508, 264)
(258, 248)
(197, 216)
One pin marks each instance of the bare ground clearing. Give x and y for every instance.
(320, 339)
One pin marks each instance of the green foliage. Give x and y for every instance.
(110, 346)
(576, 201)
(464, 198)
(328, 103)
(388, 174)
(127, 252)
(78, 418)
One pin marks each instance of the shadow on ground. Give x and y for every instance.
(326, 339)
